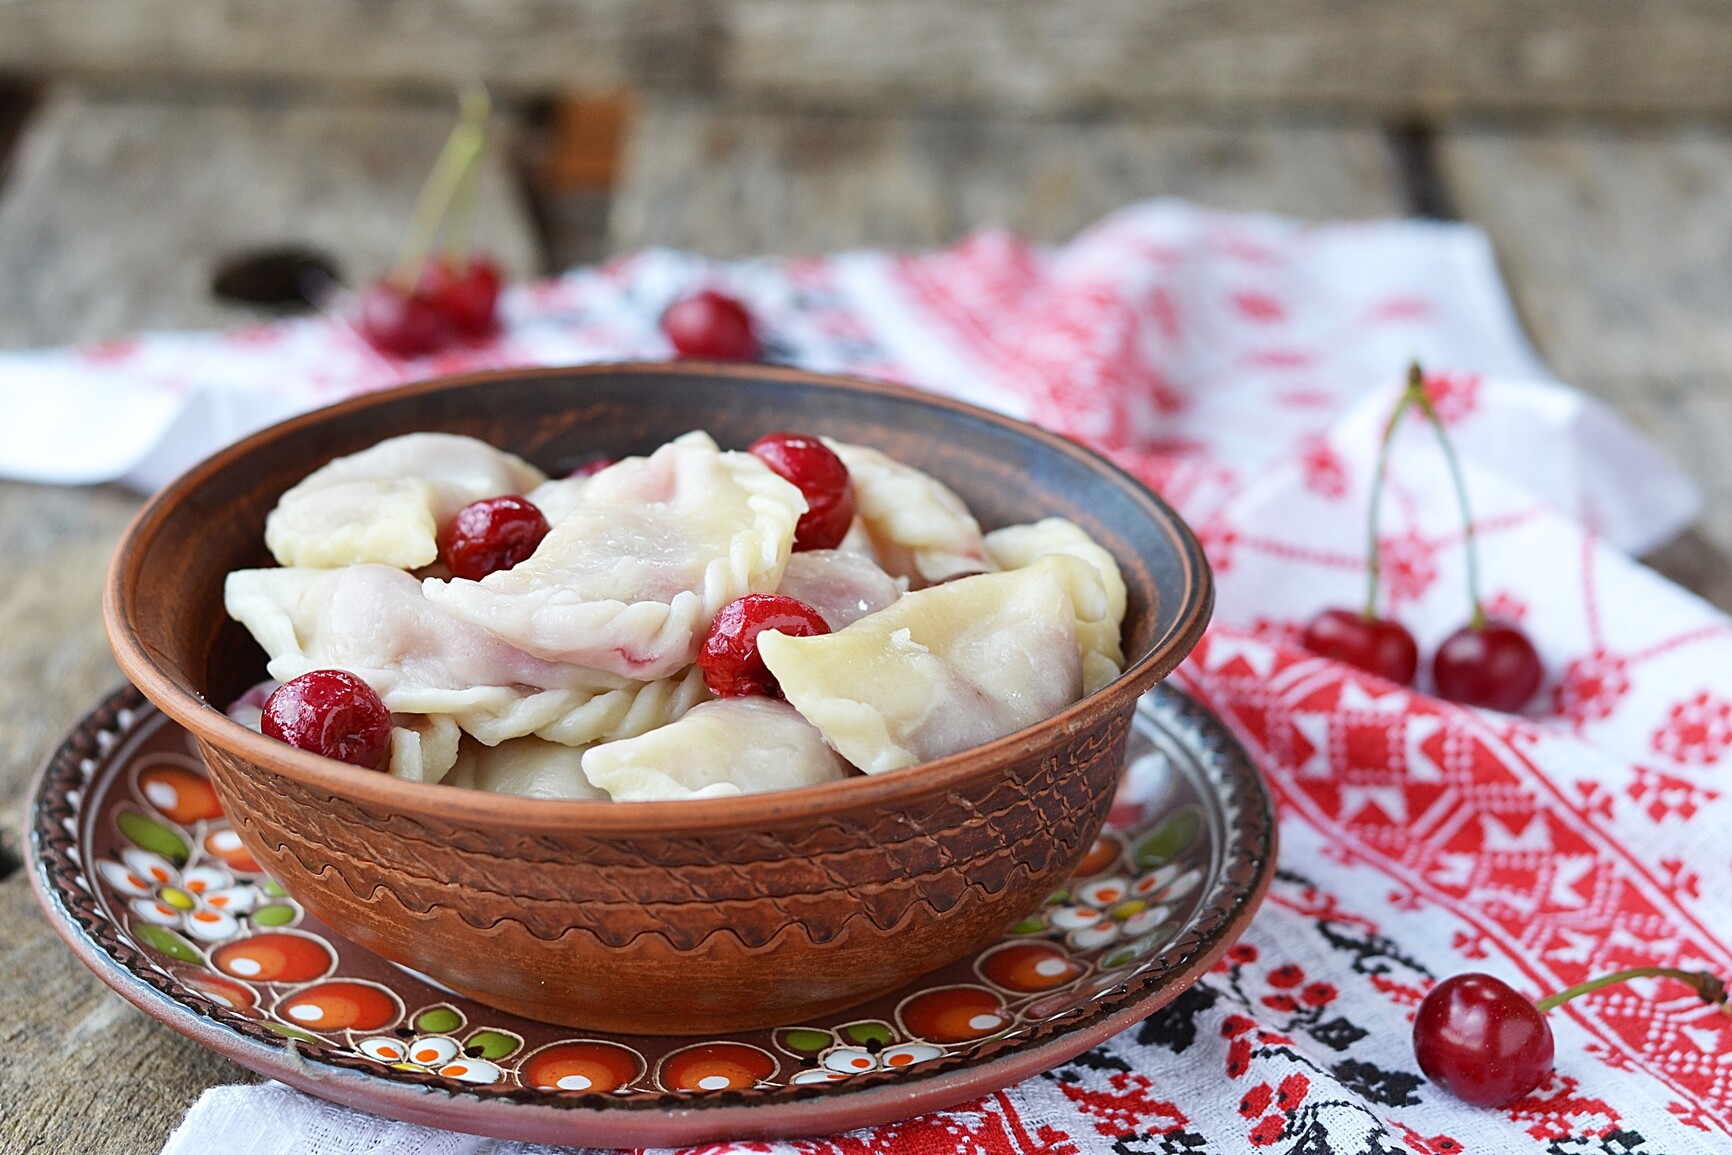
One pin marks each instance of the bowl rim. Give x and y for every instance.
(210, 724)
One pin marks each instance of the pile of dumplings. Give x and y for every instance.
(571, 674)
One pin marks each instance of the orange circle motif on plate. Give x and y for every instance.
(954, 1014)
(1101, 856)
(715, 1067)
(1028, 968)
(226, 845)
(341, 1005)
(233, 995)
(582, 1066)
(179, 794)
(275, 957)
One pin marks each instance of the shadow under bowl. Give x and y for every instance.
(685, 917)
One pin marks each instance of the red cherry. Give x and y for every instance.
(400, 324)
(465, 294)
(330, 712)
(1481, 1041)
(822, 479)
(492, 534)
(711, 325)
(1493, 665)
(593, 467)
(729, 659)
(1376, 645)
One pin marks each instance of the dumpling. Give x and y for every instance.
(373, 621)
(557, 498)
(842, 586)
(1016, 546)
(917, 527)
(423, 749)
(628, 581)
(529, 767)
(729, 746)
(944, 668)
(386, 504)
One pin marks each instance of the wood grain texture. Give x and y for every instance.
(119, 208)
(1404, 58)
(731, 183)
(54, 660)
(80, 1070)
(1618, 247)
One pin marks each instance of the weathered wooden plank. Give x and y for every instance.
(54, 661)
(730, 183)
(1618, 248)
(1392, 58)
(80, 1070)
(119, 208)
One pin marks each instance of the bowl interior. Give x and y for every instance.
(166, 590)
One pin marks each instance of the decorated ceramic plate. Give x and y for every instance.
(141, 875)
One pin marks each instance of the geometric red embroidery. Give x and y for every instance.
(1697, 731)
(1130, 1108)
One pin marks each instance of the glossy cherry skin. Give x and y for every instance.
(711, 325)
(464, 293)
(400, 324)
(1494, 666)
(1480, 1040)
(732, 666)
(492, 534)
(330, 712)
(822, 479)
(1376, 645)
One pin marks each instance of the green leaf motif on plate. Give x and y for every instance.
(273, 888)
(160, 938)
(1168, 840)
(1029, 926)
(291, 1033)
(438, 1020)
(494, 1045)
(806, 1041)
(152, 836)
(274, 915)
(870, 1031)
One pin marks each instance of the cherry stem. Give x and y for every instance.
(1373, 564)
(1709, 986)
(1417, 395)
(461, 150)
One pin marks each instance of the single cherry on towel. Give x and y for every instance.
(732, 666)
(400, 322)
(1488, 1045)
(1376, 645)
(1490, 664)
(822, 479)
(711, 325)
(1380, 646)
(492, 534)
(330, 712)
(464, 292)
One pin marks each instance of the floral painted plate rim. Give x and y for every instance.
(1233, 806)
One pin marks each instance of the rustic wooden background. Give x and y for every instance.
(144, 141)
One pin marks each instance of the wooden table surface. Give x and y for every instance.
(1617, 243)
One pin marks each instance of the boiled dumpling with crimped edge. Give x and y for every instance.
(945, 668)
(1016, 546)
(628, 581)
(374, 621)
(721, 748)
(386, 504)
(528, 767)
(911, 523)
(841, 585)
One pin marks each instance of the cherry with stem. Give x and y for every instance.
(1380, 646)
(1488, 1045)
(1485, 663)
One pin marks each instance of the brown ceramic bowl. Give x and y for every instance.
(658, 917)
